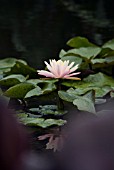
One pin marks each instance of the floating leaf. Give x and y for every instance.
(98, 60)
(84, 104)
(48, 110)
(95, 80)
(24, 69)
(75, 59)
(40, 122)
(12, 80)
(78, 42)
(86, 53)
(67, 96)
(109, 44)
(109, 59)
(101, 83)
(19, 91)
(62, 53)
(34, 92)
(90, 95)
(7, 63)
(106, 52)
(34, 110)
(50, 107)
(22, 115)
(50, 122)
(100, 80)
(47, 86)
(43, 80)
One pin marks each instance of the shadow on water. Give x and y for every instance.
(36, 30)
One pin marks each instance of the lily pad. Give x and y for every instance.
(12, 80)
(47, 86)
(67, 96)
(19, 91)
(62, 53)
(95, 80)
(84, 104)
(7, 63)
(100, 80)
(34, 92)
(86, 53)
(78, 42)
(40, 122)
(48, 110)
(109, 44)
(24, 69)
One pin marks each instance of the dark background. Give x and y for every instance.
(36, 30)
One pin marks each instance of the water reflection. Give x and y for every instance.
(36, 30)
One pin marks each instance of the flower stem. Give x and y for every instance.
(59, 100)
(90, 66)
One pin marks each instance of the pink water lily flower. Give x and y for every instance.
(60, 69)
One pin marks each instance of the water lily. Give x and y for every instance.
(60, 69)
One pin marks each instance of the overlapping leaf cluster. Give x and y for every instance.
(21, 82)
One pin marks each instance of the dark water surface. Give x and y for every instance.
(36, 30)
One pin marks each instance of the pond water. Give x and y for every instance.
(36, 30)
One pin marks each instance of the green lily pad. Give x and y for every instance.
(12, 80)
(47, 86)
(19, 91)
(95, 80)
(69, 97)
(78, 42)
(99, 92)
(86, 53)
(34, 92)
(100, 80)
(48, 110)
(109, 44)
(24, 69)
(62, 53)
(40, 122)
(37, 81)
(22, 115)
(98, 60)
(84, 104)
(7, 63)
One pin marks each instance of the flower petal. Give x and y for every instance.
(71, 64)
(74, 68)
(69, 75)
(45, 73)
(73, 78)
(55, 68)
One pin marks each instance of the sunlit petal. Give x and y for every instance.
(45, 73)
(71, 64)
(69, 75)
(74, 68)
